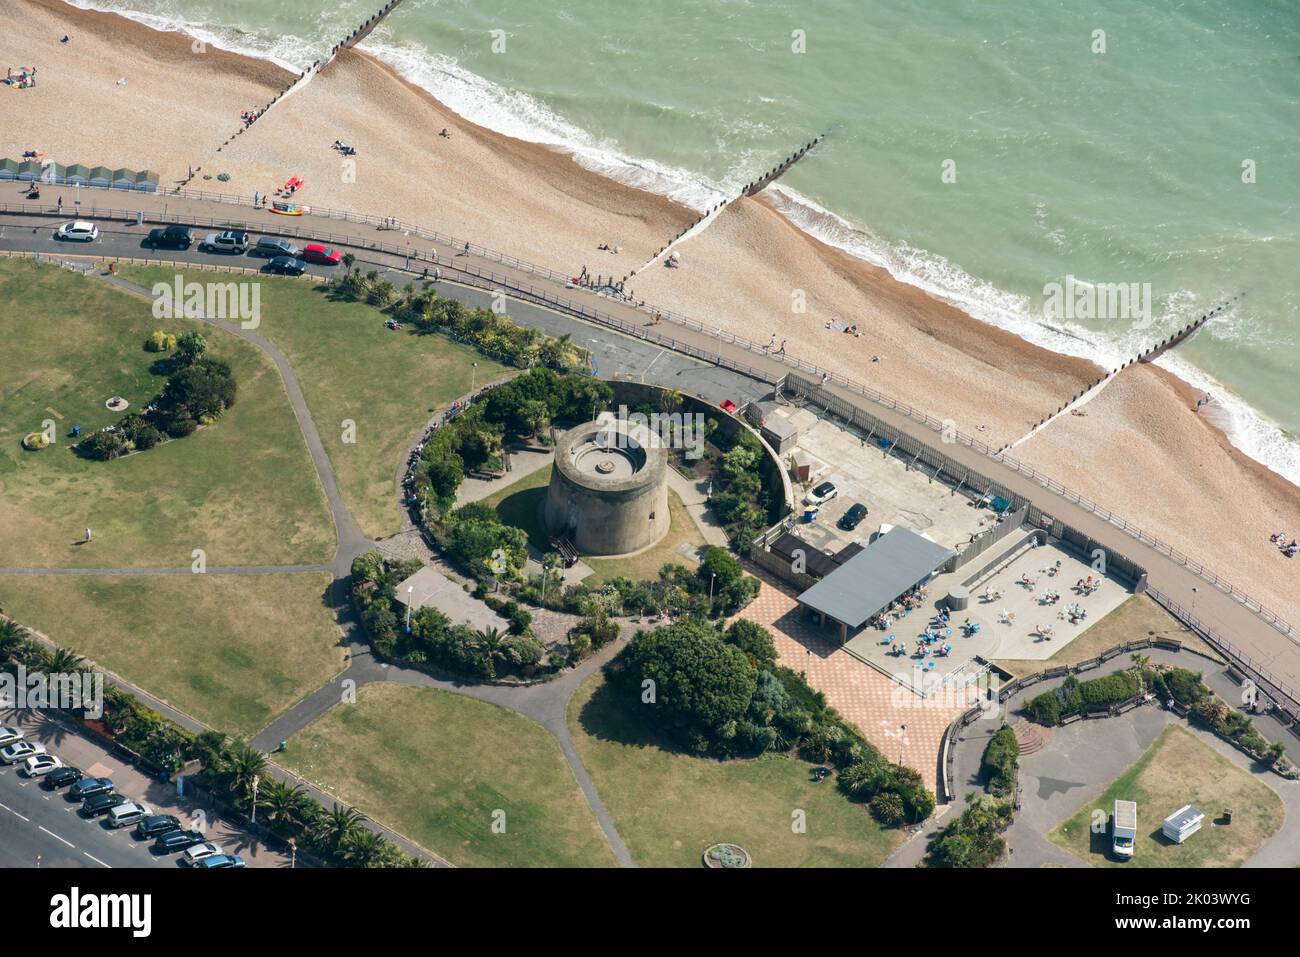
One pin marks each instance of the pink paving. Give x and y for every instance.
(879, 706)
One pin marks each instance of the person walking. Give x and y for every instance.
(88, 535)
(771, 343)
(781, 351)
(60, 205)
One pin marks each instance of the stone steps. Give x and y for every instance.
(1029, 736)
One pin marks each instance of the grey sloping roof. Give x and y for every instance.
(871, 579)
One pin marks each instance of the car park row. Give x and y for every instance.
(99, 799)
(282, 256)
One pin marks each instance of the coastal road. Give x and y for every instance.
(1251, 637)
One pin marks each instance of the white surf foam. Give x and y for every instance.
(290, 52)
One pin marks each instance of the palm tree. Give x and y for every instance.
(61, 661)
(119, 709)
(14, 641)
(670, 400)
(242, 763)
(363, 848)
(348, 261)
(336, 827)
(283, 802)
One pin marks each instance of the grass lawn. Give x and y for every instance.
(1180, 769)
(232, 650)
(519, 505)
(1138, 617)
(436, 765)
(243, 489)
(353, 369)
(669, 806)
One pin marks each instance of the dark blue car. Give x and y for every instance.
(87, 787)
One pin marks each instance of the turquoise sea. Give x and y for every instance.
(1106, 141)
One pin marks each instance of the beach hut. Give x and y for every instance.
(52, 173)
(8, 169)
(101, 176)
(124, 179)
(146, 180)
(30, 170)
(76, 174)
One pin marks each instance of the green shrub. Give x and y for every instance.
(887, 808)
(999, 764)
(974, 839)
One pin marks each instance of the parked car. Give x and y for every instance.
(286, 266)
(79, 231)
(172, 237)
(272, 246)
(10, 735)
(821, 494)
(127, 814)
(40, 765)
(231, 241)
(61, 778)
(220, 860)
(20, 751)
(200, 852)
(172, 841)
(98, 804)
(89, 786)
(156, 824)
(323, 255)
(852, 518)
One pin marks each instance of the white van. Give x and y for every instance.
(1124, 825)
(127, 814)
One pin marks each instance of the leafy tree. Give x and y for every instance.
(754, 640)
(190, 347)
(205, 387)
(703, 686)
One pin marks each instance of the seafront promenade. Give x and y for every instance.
(1201, 596)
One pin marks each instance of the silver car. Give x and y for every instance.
(20, 751)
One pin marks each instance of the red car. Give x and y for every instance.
(316, 253)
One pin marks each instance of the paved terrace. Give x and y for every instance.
(1272, 649)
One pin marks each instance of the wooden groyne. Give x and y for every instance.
(780, 169)
(1185, 333)
(363, 31)
(303, 78)
(1161, 347)
(714, 211)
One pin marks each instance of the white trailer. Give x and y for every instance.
(1182, 824)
